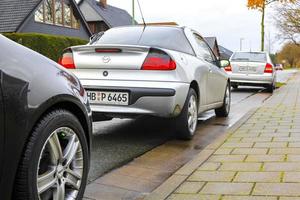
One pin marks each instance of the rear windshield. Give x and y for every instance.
(249, 57)
(164, 37)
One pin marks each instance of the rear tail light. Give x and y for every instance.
(67, 60)
(228, 68)
(268, 68)
(158, 60)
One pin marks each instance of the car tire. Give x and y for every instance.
(225, 109)
(186, 122)
(271, 88)
(55, 155)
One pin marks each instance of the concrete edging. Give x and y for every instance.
(173, 182)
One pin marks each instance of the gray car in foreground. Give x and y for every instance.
(162, 71)
(252, 68)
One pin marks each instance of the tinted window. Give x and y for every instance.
(249, 57)
(203, 49)
(164, 37)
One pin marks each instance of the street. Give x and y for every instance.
(120, 141)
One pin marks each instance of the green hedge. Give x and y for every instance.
(49, 45)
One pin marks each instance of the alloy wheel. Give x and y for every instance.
(60, 166)
(227, 99)
(192, 114)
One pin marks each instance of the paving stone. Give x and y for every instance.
(250, 151)
(215, 176)
(294, 144)
(271, 144)
(257, 139)
(190, 187)
(289, 198)
(193, 197)
(281, 166)
(227, 158)
(274, 135)
(258, 177)
(237, 144)
(227, 188)
(223, 151)
(293, 158)
(284, 151)
(265, 158)
(291, 177)
(248, 198)
(252, 135)
(286, 139)
(240, 166)
(277, 189)
(209, 166)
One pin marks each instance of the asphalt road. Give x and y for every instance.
(119, 141)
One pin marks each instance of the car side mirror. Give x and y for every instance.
(224, 63)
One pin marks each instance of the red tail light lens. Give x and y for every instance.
(158, 60)
(67, 60)
(228, 68)
(269, 68)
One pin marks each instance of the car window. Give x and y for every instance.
(249, 57)
(172, 38)
(203, 49)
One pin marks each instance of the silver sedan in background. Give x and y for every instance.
(253, 69)
(162, 71)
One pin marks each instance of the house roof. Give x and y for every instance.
(111, 15)
(13, 13)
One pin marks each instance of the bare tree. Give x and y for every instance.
(288, 22)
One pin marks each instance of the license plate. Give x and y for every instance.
(110, 98)
(243, 68)
(252, 69)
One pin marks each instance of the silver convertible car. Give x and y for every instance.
(162, 71)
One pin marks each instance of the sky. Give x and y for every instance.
(228, 20)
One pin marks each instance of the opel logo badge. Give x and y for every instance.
(105, 73)
(106, 59)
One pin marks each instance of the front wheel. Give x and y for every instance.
(225, 109)
(188, 119)
(55, 161)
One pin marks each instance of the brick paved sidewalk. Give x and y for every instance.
(258, 160)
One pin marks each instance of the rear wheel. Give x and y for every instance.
(225, 109)
(55, 161)
(187, 121)
(271, 88)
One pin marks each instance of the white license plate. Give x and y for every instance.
(243, 68)
(110, 98)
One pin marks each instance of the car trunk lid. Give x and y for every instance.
(121, 57)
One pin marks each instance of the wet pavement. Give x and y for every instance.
(119, 142)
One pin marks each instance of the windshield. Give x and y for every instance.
(163, 37)
(249, 57)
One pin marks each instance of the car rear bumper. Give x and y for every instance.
(163, 99)
(251, 79)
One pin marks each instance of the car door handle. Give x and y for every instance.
(210, 70)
